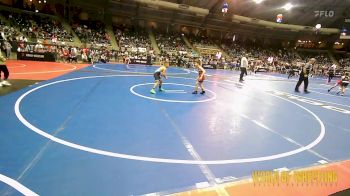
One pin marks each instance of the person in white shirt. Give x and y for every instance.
(8, 48)
(39, 47)
(3, 35)
(84, 57)
(73, 54)
(127, 61)
(244, 65)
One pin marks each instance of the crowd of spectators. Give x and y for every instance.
(12, 41)
(130, 37)
(321, 58)
(38, 27)
(344, 62)
(135, 43)
(8, 39)
(7, 32)
(274, 59)
(85, 54)
(171, 43)
(92, 32)
(259, 57)
(202, 41)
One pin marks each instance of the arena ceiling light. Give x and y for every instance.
(288, 6)
(258, 1)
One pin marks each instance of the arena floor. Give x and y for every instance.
(96, 130)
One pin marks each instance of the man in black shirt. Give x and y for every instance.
(304, 75)
(149, 59)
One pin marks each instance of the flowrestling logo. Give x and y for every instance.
(324, 13)
(309, 101)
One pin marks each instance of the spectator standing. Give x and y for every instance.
(8, 48)
(73, 54)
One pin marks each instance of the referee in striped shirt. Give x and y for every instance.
(244, 65)
(304, 75)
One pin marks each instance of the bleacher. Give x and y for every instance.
(36, 26)
(91, 32)
(132, 41)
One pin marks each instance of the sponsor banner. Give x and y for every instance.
(139, 61)
(36, 56)
(208, 66)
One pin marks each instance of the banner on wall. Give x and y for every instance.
(142, 61)
(36, 56)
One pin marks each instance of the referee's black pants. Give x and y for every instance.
(302, 79)
(330, 77)
(243, 71)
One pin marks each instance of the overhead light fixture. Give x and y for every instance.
(288, 6)
(258, 1)
(318, 26)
